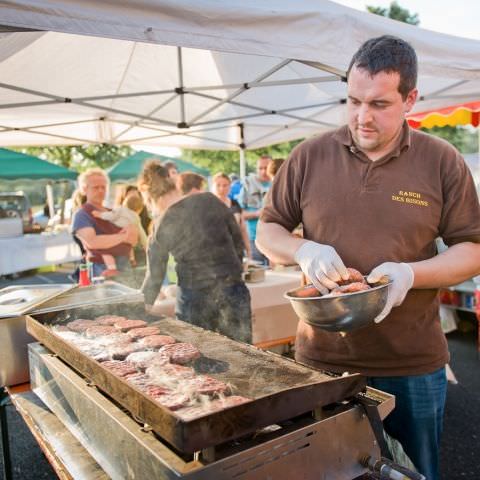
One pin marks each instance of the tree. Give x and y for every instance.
(460, 137)
(228, 161)
(395, 12)
(464, 140)
(81, 157)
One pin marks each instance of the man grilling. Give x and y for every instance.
(374, 195)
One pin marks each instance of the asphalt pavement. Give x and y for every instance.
(460, 452)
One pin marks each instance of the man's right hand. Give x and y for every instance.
(322, 265)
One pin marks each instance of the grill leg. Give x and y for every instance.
(7, 464)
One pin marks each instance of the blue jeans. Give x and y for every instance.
(221, 308)
(417, 420)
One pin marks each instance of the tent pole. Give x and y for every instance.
(243, 169)
(50, 202)
(243, 165)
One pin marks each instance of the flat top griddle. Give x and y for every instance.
(280, 388)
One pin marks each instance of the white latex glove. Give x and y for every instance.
(401, 275)
(322, 265)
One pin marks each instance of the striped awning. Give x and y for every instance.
(462, 114)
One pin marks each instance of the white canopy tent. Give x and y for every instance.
(198, 73)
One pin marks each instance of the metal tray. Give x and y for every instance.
(104, 293)
(15, 301)
(280, 388)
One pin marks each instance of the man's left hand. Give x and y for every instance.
(401, 276)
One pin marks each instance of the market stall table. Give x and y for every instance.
(31, 251)
(274, 322)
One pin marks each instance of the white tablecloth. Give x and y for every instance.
(273, 316)
(36, 250)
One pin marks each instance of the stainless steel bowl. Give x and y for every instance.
(341, 313)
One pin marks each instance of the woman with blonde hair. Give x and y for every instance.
(206, 243)
(220, 188)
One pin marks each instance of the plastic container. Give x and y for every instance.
(84, 275)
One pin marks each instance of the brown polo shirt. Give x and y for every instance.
(373, 212)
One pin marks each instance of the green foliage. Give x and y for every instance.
(81, 157)
(396, 12)
(229, 162)
(464, 139)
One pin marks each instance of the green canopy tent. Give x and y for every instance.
(129, 168)
(19, 166)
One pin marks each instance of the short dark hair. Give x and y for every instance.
(187, 181)
(168, 165)
(274, 166)
(388, 54)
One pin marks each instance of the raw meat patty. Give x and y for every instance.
(109, 319)
(206, 385)
(143, 332)
(350, 288)
(172, 401)
(115, 339)
(157, 341)
(181, 353)
(168, 372)
(140, 380)
(100, 331)
(121, 351)
(81, 325)
(125, 325)
(355, 276)
(142, 359)
(119, 368)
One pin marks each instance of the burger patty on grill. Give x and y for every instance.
(81, 325)
(120, 368)
(181, 353)
(156, 341)
(109, 319)
(143, 332)
(125, 325)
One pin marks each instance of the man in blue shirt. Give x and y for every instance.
(235, 186)
(254, 188)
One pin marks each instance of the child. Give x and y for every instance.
(121, 216)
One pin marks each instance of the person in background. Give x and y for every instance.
(235, 186)
(78, 199)
(171, 169)
(206, 243)
(132, 190)
(123, 216)
(99, 236)
(190, 182)
(42, 217)
(251, 196)
(374, 195)
(273, 167)
(220, 188)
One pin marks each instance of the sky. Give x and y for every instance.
(455, 17)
